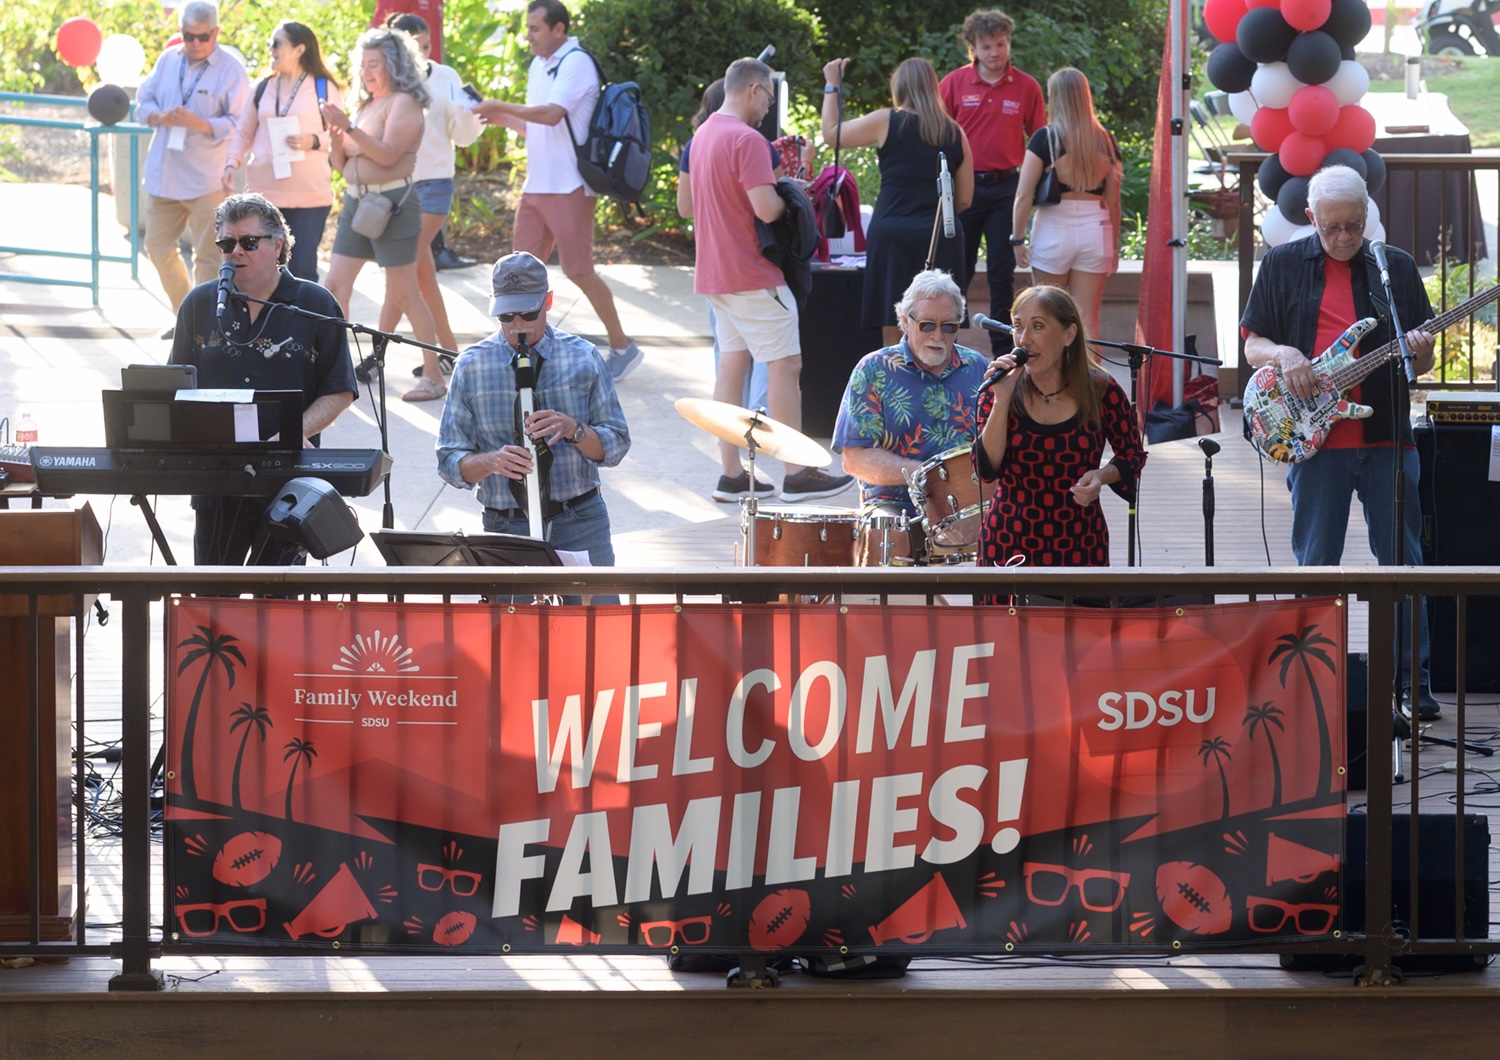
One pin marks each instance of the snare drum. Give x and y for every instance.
(805, 537)
(952, 498)
(885, 539)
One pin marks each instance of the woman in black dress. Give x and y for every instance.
(1045, 428)
(909, 137)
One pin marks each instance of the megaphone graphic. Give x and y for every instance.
(571, 933)
(340, 903)
(1286, 860)
(930, 909)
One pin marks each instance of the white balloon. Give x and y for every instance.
(1301, 232)
(1372, 213)
(1243, 106)
(1275, 229)
(1350, 84)
(121, 61)
(1273, 85)
(1375, 234)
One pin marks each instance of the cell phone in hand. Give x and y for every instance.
(473, 93)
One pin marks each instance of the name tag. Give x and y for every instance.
(972, 100)
(1010, 106)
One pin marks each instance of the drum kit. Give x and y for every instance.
(947, 492)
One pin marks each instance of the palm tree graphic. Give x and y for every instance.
(1263, 718)
(297, 752)
(252, 719)
(1304, 647)
(210, 649)
(1218, 750)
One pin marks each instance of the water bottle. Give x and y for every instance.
(1413, 77)
(26, 430)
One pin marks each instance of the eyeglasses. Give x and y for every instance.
(274, 44)
(200, 38)
(659, 934)
(205, 918)
(436, 877)
(1353, 228)
(506, 318)
(927, 327)
(226, 244)
(1100, 890)
(1268, 916)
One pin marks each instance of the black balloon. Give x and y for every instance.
(1347, 156)
(1271, 177)
(1347, 52)
(1348, 23)
(108, 104)
(1375, 171)
(1229, 69)
(1291, 200)
(1313, 57)
(1264, 36)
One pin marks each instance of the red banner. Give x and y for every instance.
(753, 779)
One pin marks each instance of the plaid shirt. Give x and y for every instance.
(480, 415)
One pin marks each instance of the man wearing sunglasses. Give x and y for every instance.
(910, 401)
(578, 425)
(260, 347)
(1307, 292)
(190, 98)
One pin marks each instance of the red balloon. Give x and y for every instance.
(1252, 4)
(1314, 110)
(1306, 15)
(1354, 129)
(1222, 17)
(78, 41)
(1301, 155)
(1270, 127)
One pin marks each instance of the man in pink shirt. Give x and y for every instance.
(999, 107)
(755, 316)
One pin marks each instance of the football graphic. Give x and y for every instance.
(780, 919)
(247, 859)
(1194, 898)
(454, 929)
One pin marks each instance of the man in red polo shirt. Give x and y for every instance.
(999, 107)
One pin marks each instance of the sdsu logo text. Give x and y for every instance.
(1138, 710)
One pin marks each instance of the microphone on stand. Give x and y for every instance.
(979, 320)
(1021, 355)
(226, 286)
(1378, 249)
(945, 192)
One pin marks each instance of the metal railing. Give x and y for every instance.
(138, 591)
(1445, 206)
(94, 255)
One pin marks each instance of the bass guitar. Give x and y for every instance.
(1289, 429)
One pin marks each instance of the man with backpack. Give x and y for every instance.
(557, 205)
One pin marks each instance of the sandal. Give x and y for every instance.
(425, 390)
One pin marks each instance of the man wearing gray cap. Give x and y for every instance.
(578, 424)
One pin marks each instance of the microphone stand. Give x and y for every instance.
(1137, 354)
(937, 218)
(1210, 450)
(378, 341)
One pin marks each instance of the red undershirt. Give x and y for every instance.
(1335, 314)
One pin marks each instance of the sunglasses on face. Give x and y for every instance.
(927, 327)
(198, 38)
(1353, 228)
(506, 318)
(226, 244)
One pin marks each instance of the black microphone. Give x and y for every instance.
(766, 53)
(945, 192)
(979, 320)
(1021, 355)
(226, 284)
(1378, 249)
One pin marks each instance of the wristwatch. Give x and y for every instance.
(1021, 242)
(578, 434)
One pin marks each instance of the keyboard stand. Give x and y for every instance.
(140, 501)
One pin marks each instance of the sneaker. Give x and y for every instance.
(812, 484)
(736, 488)
(364, 371)
(623, 362)
(447, 258)
(1428, 708)
(445, 362)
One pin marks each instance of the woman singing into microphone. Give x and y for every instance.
(1046, 424)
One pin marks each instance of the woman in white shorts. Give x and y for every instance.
(1074, 242)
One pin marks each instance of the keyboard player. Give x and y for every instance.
(255, 347)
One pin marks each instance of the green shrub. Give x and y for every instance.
(1466, 351)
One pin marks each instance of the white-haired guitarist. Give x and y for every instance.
(1307, 293)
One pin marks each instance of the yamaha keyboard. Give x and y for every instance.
(61, 471)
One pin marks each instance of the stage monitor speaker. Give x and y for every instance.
(1460, 527)
(310, 512)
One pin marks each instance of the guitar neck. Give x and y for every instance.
(1352, 373)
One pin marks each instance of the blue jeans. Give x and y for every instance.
(1321, 491)
(581, 529)
(306, 224)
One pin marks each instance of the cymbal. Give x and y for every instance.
(772, 437)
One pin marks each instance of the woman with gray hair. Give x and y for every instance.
(376, 148)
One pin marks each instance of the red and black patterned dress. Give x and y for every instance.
(1033, 514)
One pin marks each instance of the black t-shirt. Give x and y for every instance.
(1040, 146)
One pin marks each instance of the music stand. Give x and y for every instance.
(416, 548)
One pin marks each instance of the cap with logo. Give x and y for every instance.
(518, 284)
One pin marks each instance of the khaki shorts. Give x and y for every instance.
(562, 221)
(763, 322)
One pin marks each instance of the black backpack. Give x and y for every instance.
(320, 85)
(615, 156)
